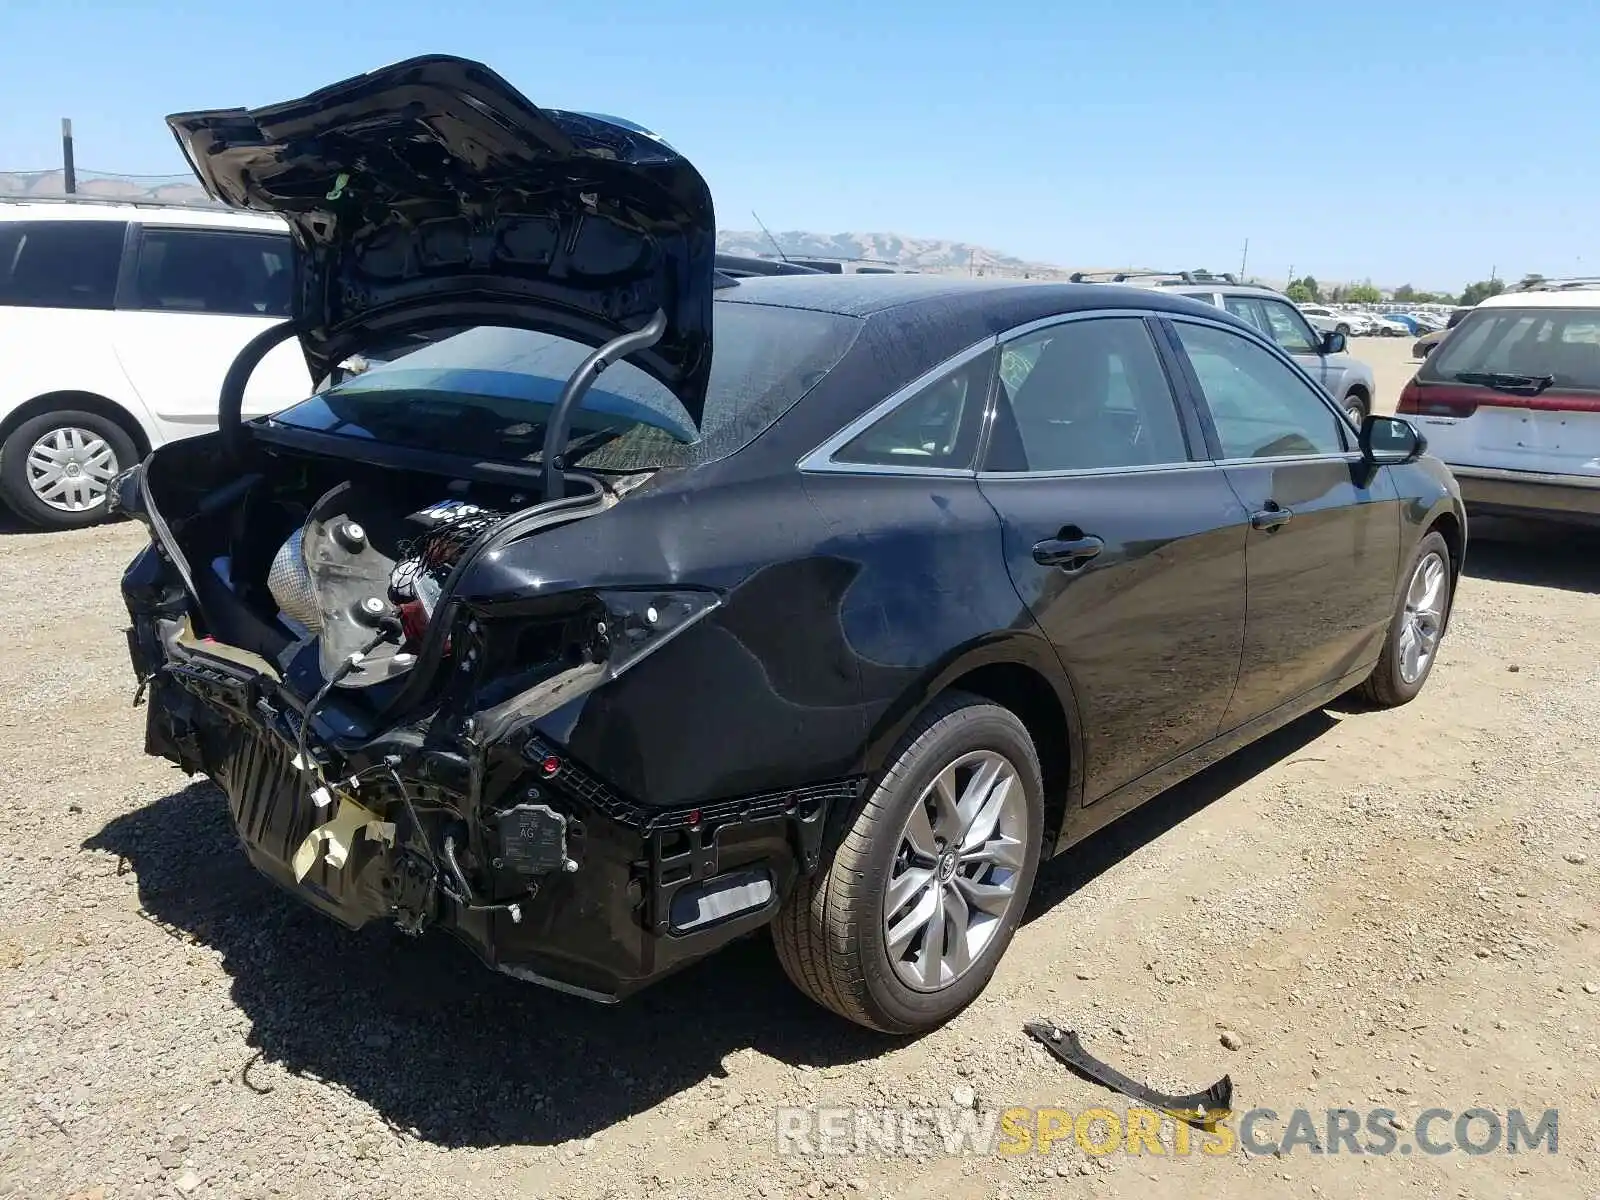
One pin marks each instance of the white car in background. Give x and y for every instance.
(1335, 320)
(1510, 400)
(1385, 326)
(118, 322)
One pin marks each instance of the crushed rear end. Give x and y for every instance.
(307, 624)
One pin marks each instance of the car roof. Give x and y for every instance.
(97, 208)
(865, 295)
(912, 324)
(1557, 297)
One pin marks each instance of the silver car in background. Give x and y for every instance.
(1321, 353)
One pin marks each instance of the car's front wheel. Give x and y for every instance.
(55, 469)
(1355, 406)
(1342, 328)
(924, 882)
(1412, 642)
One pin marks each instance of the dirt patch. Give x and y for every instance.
(1388, 909)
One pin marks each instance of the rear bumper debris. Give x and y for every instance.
(531, 859)
(1200, 1109)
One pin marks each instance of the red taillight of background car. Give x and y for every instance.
(1462, 400)
(1438, 400)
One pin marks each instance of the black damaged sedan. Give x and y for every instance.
(600, 608)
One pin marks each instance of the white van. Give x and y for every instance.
(118, 321)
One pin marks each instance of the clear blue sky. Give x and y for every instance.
(1410, 142)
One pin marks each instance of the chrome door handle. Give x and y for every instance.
(1273, 516)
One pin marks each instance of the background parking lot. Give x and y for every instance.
(1396, 909)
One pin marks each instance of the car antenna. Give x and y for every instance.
(770, 238)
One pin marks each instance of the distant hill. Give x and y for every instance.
(171, 189)
(909, 253)
(895, 249)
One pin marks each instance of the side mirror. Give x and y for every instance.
(1333, 342)
(1387, 441)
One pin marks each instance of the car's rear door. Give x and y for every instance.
(194, 297)
(1324, 539)
(58, 282)
(1127, 547)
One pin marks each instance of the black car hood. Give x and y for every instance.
(432, 193)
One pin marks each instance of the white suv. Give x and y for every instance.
(117, 324)
(1511, 401)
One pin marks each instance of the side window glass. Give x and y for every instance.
(210, 271)
(1289, 329)
(60, 264)
(936, 427)
(1248, 310)
(1261, 407)
(1084, 395)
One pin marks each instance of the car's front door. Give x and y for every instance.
(1127, 547)
(1324, 543)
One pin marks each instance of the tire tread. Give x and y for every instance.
(1381, 689)
(817, 932)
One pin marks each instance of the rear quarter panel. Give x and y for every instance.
(929, 598)
(849, 600)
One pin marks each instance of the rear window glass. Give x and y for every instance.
(60, 264)
(486, 393)
(1563, 343)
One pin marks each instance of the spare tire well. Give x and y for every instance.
(1028, 695)
(87, 402)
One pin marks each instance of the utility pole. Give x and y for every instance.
(1244, 259)
(69, 171)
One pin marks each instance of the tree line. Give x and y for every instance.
(1306, 290)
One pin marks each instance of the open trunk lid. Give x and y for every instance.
(432, 193)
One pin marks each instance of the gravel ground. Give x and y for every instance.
(1381, 909)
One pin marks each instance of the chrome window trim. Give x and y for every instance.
(821, 459)
(1344, 456)
(1168, 468)
(1096, 472)
(1090, 314)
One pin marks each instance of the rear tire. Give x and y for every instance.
(1421, 614)
(1356, 408)
(840, 936)
(36, 460)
